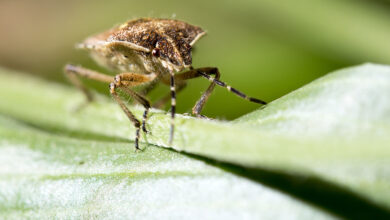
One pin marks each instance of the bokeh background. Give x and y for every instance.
(265, 48)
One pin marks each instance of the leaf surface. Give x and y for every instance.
(326, 143)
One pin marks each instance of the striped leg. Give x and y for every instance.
(126, 80)
(180, 85)
(231, 89)
(207, 73)
(143, 101)
(196, 110)
(173, 108)
(122, 81)
(128, 113)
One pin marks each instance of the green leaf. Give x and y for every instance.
(46, 176)
(326, 144)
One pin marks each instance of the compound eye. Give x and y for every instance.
(156, 52)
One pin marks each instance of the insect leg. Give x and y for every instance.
(194, 73)
(143, 101)
(196, 110)
(72, 72)
(173, 107)
(128, 113)
(207, 73)
(126, 80)
(180, 85)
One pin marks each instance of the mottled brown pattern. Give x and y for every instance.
(147, 51)
(171, 37)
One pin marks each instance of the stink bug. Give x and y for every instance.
(145, 52)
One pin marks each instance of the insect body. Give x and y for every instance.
(145, 52)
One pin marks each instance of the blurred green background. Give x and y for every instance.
(265, 48)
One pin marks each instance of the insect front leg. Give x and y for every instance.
(125, 81)
(128, 113)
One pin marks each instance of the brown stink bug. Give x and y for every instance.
(145, 52)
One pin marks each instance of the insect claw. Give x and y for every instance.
(145, 130)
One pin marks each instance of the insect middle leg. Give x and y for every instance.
(173, 107)
(73, 73)
(207, 73)
(180, 85)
